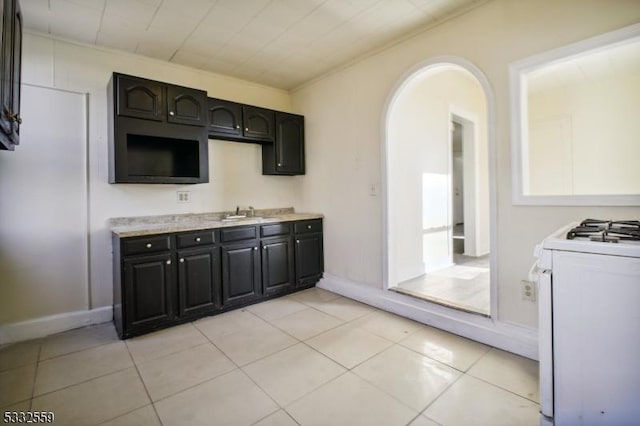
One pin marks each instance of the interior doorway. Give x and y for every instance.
(457, 178)
(438, 190)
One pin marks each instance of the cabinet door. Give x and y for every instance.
(10, 67)
(277, 265)
(289, 144)
(309, 259)
(198, 281)
(240, 273)
(140, 98)
(149, 291)
(16, 74)
(258, 123)
(224, 118)
(186, 106)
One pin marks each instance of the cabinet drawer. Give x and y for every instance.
(237, 234)
(146, 245)
(194, 239)
(307, 226)
(275, 229)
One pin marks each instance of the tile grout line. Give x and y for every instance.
(82, 382)
(169, 353)
(439, 395)
(144, 385)
(378, 387)
(35, 376)
(502, 388)
(82, 349)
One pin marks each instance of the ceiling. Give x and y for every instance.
(280, 43)
(619, 61)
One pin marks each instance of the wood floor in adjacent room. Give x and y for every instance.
(464, 286)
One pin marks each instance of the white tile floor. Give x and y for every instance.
(313, 358)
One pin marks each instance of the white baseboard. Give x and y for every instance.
(44, 326)
(510, 337)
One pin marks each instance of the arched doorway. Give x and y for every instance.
(439, 194)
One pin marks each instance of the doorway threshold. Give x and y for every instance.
(441, 302)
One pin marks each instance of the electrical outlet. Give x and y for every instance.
(528, 290)
(184, 196)
(373, 190)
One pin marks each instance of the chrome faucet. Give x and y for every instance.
(252, 211)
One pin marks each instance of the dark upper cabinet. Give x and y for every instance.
(224, 118)
(140, 98)
(157, 101)
(258, 123)
(186, 106)
(149, 287)
(277, 265)
(286, 155)
(157, 132)
(280, 134)
(10, 67)
(240, 273)
(198, 281)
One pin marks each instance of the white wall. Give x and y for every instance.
(344, 111)
(597, 123)
(234, 168)
(419, 133)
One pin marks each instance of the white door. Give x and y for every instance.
(43, 209)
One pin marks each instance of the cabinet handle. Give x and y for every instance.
(297, 241)
(182, 260)
(197, 239)
(246, 129)
(168, 262)
(171, 113)
(264, 248)
(237, 126)
(255, 248)
(14, 118)
(309, 227)
(149, 245)
(279, 164)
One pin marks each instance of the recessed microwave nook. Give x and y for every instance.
(157, 132)
(157, 157)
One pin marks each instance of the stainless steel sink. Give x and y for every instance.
(244, 218)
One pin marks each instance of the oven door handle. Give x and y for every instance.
(545, 340)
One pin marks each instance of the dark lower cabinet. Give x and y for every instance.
(166, 279)
(240, 273)
(309, 251)
(277, 265)
(309, 259)
(149, 285)
(198, 281)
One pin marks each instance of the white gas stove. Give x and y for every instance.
(589, 324)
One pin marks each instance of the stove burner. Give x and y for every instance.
(610, 231)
